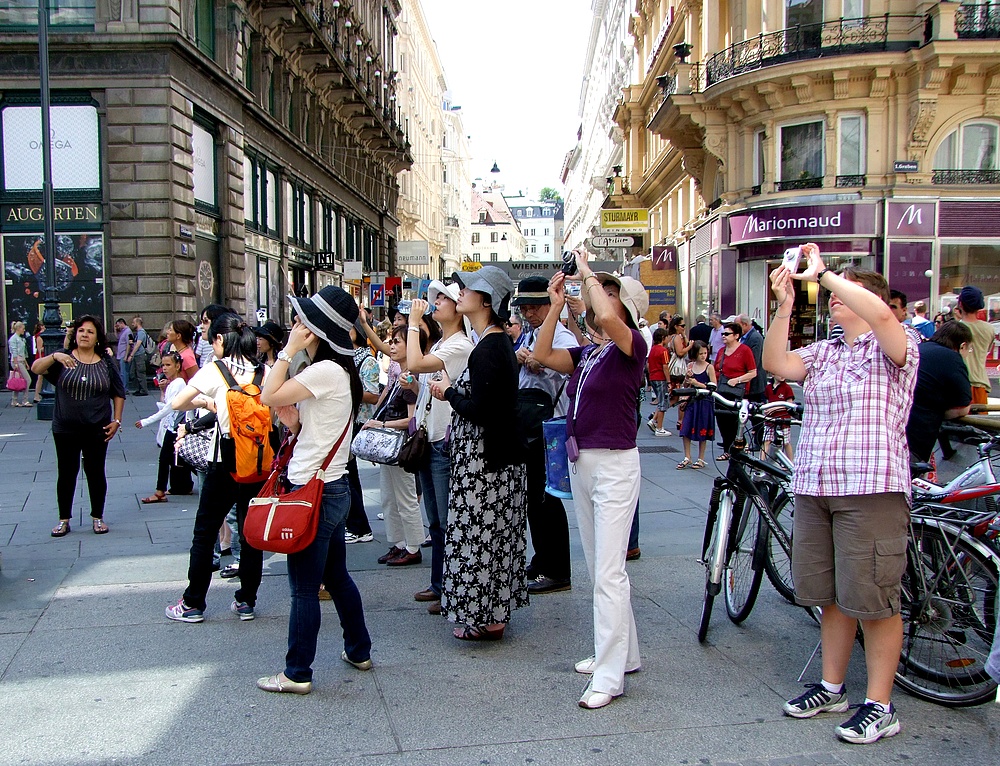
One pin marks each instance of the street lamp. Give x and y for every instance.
(51, 318)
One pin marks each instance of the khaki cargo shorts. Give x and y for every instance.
(850, 551)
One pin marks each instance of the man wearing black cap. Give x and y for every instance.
(970, 303)
(549, 570)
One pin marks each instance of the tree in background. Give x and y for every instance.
(548, 194)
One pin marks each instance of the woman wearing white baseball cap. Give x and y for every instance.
(450, 354)
(601, 429)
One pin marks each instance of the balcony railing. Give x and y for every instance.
(850, 182)
(977, 22)
(965, 177)
(755, 190)
(806, 41)
(799, 183)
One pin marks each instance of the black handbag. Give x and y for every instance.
(534, 406)
(416, 450)
(729, 390)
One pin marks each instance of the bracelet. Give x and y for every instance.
(782, 316)
(819, 277)
(413, 329)
(116, 420)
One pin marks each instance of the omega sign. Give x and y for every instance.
(74, 139)
(812, 221)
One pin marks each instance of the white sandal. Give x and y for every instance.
(684, 464)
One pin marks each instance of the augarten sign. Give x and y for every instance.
(803, 222)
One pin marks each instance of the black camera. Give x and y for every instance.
(569, 263)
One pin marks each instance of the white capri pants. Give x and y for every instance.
(403, 525)
(605, 487)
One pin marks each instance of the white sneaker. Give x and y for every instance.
(586, 667)
(350, 537)
(651, 425)
(593, 700)
(662, 432)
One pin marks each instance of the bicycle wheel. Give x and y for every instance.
(717, 533)
(778, 562)
(949, 610)
(744, 572)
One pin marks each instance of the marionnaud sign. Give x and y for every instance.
(802, 221)
(911, 219)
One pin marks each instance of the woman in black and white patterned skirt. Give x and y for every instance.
(485, 546)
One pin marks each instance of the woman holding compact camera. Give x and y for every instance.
(601, 430)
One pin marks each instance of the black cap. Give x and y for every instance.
(532, 291)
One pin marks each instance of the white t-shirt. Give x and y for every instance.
(323, 420)
(209, 381)
(454, 352)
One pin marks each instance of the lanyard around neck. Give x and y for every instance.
(588, 367)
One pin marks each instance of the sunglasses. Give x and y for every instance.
(727, 333)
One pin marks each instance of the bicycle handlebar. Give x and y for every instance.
(767, 410)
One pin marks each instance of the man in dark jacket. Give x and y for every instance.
(701, 331)
(755, 342)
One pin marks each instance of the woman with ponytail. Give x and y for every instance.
(319, 406)
(235, 347)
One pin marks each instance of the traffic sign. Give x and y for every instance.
(599, 242)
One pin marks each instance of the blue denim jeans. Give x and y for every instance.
(434, 482)
(324, 561)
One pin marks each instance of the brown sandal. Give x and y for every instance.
(61, 529)
(100, 528)
(157, 498)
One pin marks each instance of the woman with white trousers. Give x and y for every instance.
(605, 472)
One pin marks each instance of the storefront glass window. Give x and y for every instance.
(703, 286)
(968, 264)
(802, 151)
(271, 190)
(852, 159)
(972, 147)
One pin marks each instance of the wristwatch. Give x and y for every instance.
(116, 420)
(281, 356)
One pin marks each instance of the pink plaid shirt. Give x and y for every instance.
(857, 402)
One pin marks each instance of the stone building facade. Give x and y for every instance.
(232, 152)
(868, 126)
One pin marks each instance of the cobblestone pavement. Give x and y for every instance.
(92, 673)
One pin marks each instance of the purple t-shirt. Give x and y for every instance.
(606, 417)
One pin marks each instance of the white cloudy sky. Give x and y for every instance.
(515, 68)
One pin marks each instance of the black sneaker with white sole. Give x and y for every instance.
(817, 700)
(869, 724)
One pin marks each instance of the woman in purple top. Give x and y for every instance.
(601, 428)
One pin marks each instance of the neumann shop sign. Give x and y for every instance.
(802, 221)
(74, 139)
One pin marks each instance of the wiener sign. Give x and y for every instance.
(630, 220)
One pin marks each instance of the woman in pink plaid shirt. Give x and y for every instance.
(851, 485)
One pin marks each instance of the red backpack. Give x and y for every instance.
(249, 426)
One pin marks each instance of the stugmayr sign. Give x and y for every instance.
(803, 222)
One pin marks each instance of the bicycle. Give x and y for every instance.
(949, 589)
(739, 517)
(948, 604)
